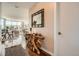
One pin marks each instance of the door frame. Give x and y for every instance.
(56, 27)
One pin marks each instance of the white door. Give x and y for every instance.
(67, 21)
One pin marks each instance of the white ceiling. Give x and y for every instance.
(16, 10)
(19, 4)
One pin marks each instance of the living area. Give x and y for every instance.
(26, 28)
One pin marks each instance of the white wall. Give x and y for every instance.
(0, 9)
(68, 43)
(48, 30)
(2, 50)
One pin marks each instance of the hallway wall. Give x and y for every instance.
(48, 29)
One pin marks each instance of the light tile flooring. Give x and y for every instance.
(16, 41)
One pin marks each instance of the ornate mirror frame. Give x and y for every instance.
(37, 19)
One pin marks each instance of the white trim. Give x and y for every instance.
(56, 27)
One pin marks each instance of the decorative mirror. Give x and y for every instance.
(38, 19)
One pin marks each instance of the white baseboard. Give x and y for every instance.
(47, 51)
